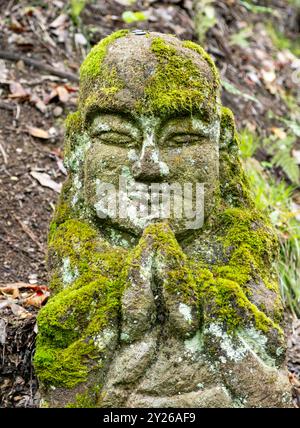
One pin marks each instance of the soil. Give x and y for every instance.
(26, 206)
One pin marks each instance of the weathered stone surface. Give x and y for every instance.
(151, 310)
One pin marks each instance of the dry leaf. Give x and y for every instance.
(59, 21)
(13, 291)
(17, 91)
(279, 132)
(39, 104)
(50, 97)
(46, 181)
(63, 94)
(20, 312)
(38, 132)
(37, 299)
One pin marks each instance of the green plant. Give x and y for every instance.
(76, 7)
(128, 16)
(289, 268)
(248, 143)
(274, 197)
(229, 87)
(280, 150)
(241, 38)
(256, 8)
(205, 18)
(281, 42)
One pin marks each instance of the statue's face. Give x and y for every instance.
(139, 169)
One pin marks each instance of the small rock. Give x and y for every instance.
(57, 111)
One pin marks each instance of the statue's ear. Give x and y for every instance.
(233, 182)
(228, 134)
(73, 139)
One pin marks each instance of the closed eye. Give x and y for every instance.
(183, 139)
(115, 138)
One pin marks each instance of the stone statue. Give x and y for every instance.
(152, 307)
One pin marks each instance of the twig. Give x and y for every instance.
(37, 64)
(29, 232)
(3, 154)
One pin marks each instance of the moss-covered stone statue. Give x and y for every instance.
(148, 311)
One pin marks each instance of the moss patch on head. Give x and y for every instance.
(197, 48)
(91, 66)
(95, 77)
(179, 83)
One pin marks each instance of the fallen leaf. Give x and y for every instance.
(269, 78)
(50, 96)
(71, 88)
(17, 91)
(46, 181)
(39, 104)
(61, 166)
(37, 299)
(4, 304)
(16, 26)
(13, 291)
(19, 312)
(59, 21)
(63, 94)
(80, 39)
(38, 132)
(279, 133)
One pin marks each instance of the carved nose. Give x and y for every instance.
(149, 167)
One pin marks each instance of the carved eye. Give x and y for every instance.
(178, 139)
(116, 138)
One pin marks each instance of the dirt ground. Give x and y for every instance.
(34, 104)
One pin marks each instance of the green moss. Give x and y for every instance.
(63, 367)
(250, 238)
(96, 79)
(178, 83)
(91, 66)
(225, 301)
(178, 279)
(197, 48)
(69, 324)
(85, 400)
(73, 123)
(80, 244)
(234, 186)
(225, 289)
